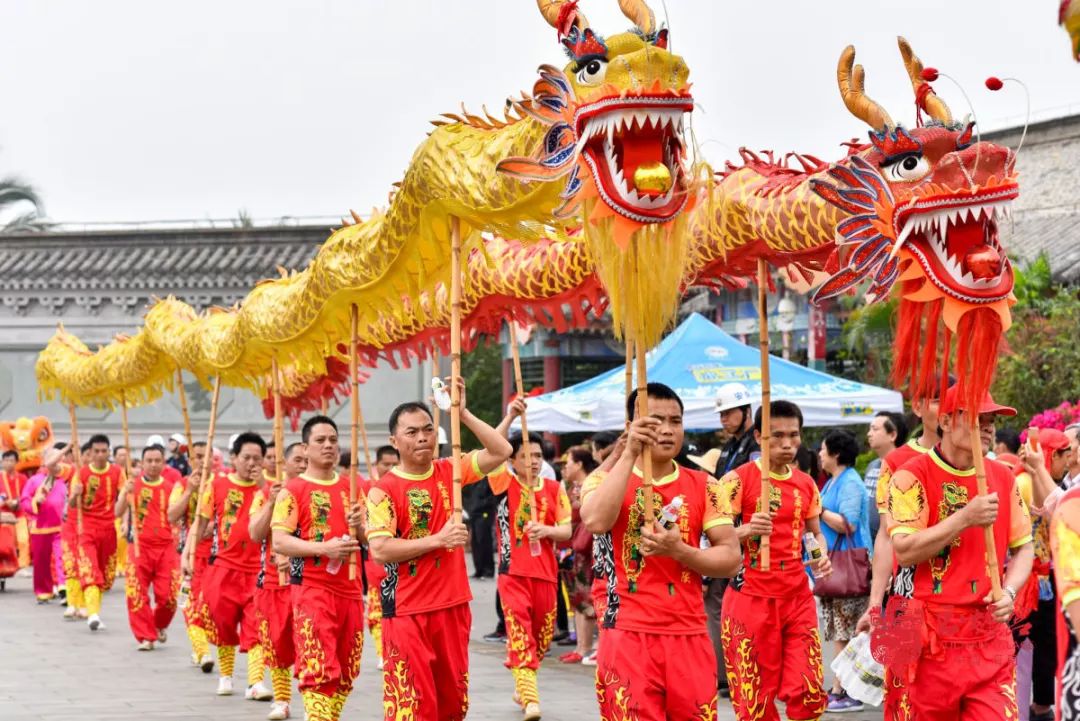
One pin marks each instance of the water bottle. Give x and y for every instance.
(813, 550)
(185, 594)
(534, 546)
(335, 563)
(669, 514)
(442, 395)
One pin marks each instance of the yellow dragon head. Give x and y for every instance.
(615, 136)
(27, 437)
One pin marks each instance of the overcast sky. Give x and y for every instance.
(123, 110)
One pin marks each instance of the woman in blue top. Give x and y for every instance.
(845, 511)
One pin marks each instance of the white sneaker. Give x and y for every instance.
(259, 692)
(69, 613)
(81, 613)
(279, 711)
(195, 661)
(94, 622)
(162, 635)
(146, 645)
(531, 712)
(381, 663)
(224, 686)
(207, 663)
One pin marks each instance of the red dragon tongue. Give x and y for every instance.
(644, 148)
(983, 262)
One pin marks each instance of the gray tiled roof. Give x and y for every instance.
(1055, 232)
(154, 259)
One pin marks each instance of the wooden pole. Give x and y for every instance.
(629, 376)
(76, 452)
(183, 406)
(436, 362)
(766, 401)
(208, 464)
(646, 456)
(455, 360)
(980, 480)
(324, 406)
(279, 448)
(354, 409)
(530, 494)
(127, 473)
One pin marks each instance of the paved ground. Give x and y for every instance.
(51, 670)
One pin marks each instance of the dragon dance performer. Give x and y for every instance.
(44, 498)
(96, 488)
(12, 483)
(69, 553)
(769, 626)
(386, 457)
(528, 582)
(311, 525)
(157, 564)
(229, 581)
(182, 507)
(965, 666)
(273, 601)
(897, 705)
(1065, 547)
(425, 595)
(654, 621)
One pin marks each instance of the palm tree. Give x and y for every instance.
(15, 215)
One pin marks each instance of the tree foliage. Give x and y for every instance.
(482, 370)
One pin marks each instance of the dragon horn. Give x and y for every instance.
(850, 78)
(561, 13)
(934, 106)
(640, 14)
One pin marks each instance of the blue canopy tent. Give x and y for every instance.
(695, 360)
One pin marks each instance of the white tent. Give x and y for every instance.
(695, 360)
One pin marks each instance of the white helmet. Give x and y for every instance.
(733, 395)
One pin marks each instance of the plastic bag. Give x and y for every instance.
(862, 677)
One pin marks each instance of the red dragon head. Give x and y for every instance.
(924, 208)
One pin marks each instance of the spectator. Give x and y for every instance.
(1006, 443)
(386, 457)
(603, 443)
(178, 454)
(887, 432)
(733, 404)
(578, 578)
(845, 512)
(1072, 475)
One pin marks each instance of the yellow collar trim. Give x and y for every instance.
(238, 481)
(663, 481)
(321, 481)
(148, 482)
(774, 475)
(98, 470)
(402, 473)
(948, 468)
(916, 446)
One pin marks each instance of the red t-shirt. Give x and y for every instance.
(893, 461)
(227, 501)
(204, 546)
(928, 490)
(11, 485)
(406, 505)
(795, 499)
(1065, 547)
(657, 594)
(552, 509)
(100, 488)
(317, 510)
(151, 501)
(268, 574)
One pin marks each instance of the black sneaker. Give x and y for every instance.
(496, 637)
(1045, 716)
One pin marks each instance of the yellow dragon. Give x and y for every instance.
(590, 175)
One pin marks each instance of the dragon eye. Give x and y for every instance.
(907, 168)
(592, 72)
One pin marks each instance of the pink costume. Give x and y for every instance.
(45, 521)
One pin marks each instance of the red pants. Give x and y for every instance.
(655, 676)
(426, 671)
(44, 551)
(96, 562)
(897, 706)
(197, 611)
(967, 672)
(772, 651)
(529, 607)
(329, 637)
(230, 595)
(157, 567)
(273, 611)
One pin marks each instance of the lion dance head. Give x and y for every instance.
(27, 437)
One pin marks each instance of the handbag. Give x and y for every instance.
(581, 541)
(850, 576)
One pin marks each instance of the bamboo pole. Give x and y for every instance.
(279, 448)
(766, 401)
(127, 474)
(208, 464)
(629, 373)
(436, 359)
(530, 494)
(455, 361)
(988, 531)
(76, 453)
(324, 406)
(354, 410)
(646, 456)
(184, 406)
